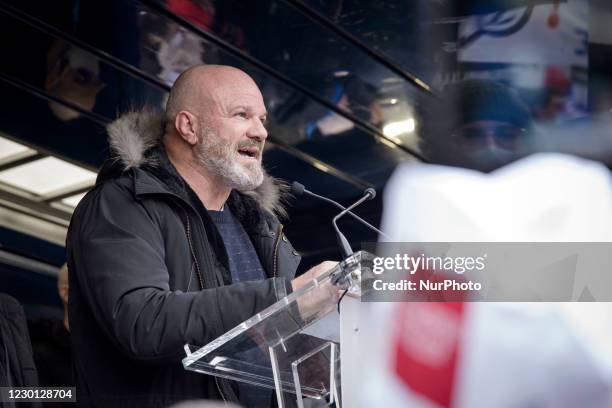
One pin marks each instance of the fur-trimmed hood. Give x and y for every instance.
(132, 136)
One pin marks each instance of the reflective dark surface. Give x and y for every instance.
(400, 37)
(348, 102)
(163, 49)
(343, 78)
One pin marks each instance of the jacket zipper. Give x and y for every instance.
(200, 278)
(199, 273)
(195, 260)
(275, 257)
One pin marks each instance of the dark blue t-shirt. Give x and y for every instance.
(244, 262)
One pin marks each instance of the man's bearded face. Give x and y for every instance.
(237, 162)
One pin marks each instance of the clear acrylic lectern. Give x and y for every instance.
(292, 346)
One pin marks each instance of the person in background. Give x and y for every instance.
(17, 368)
(73, 76)
(51, 342)
(478, 124)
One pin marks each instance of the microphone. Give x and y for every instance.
(345, 247)
(299, 189)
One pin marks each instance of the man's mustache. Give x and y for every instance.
(246, 145)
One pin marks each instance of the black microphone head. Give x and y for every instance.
(370, 192)
(297, 188)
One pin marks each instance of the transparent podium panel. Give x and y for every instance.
(291, 346)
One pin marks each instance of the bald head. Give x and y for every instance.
(215, 126)
(196, 88)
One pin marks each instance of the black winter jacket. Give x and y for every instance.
(148, 274)
(17, 367)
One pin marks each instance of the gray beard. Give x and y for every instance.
(222, 159)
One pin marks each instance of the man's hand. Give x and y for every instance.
(312, 273)
(325, 293)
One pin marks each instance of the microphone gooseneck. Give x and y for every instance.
(299, 189)
(342, 241)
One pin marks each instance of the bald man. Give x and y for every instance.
(178, 243)
(51, 343)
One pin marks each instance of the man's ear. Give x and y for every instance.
(186, 126)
